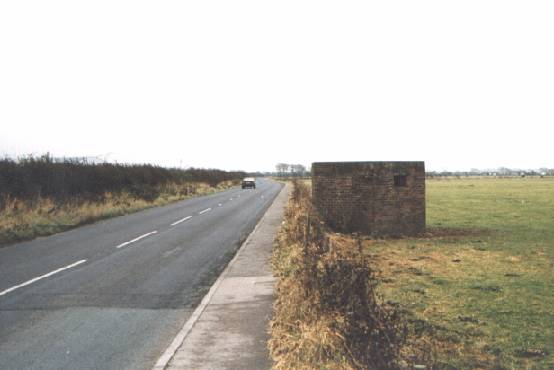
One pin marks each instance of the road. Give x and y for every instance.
(112, 295)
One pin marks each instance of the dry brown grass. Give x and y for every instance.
(327, 312)
(23, 220)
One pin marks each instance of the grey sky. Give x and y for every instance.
(247, 84)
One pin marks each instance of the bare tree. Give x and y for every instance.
(298, 169)
(282, 168)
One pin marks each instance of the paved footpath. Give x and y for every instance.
(229, 330)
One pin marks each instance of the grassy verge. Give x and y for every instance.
(481, 282)
(327, 312)
(475, 292)
(24, 220)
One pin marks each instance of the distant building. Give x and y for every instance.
(375, 198)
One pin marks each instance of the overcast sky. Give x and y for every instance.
(247, 84)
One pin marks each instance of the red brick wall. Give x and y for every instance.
(362, 197)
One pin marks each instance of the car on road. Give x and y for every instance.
(249, 183)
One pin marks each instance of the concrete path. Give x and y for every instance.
(229, 330)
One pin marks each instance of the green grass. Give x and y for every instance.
(481, 283)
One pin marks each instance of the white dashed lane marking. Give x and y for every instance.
(41, 277)
(181, 220)
(204, 211)
(4, 292)
(136, 239)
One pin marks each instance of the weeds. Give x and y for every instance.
(327, 312)
(21, 220)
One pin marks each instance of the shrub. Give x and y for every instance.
(32, 178)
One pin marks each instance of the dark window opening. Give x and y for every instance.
(400, 180)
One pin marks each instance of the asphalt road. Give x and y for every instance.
(113, 295)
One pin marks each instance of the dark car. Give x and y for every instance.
(249, 183)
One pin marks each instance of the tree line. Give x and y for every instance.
(297, 170)
(69, 180)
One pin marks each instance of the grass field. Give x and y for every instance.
(481, 282)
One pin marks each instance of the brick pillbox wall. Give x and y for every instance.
(373, 198)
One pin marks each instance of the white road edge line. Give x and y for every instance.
(181, 220)
(204, 211)
(170, 351)
(41, 277)
(136, 239)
